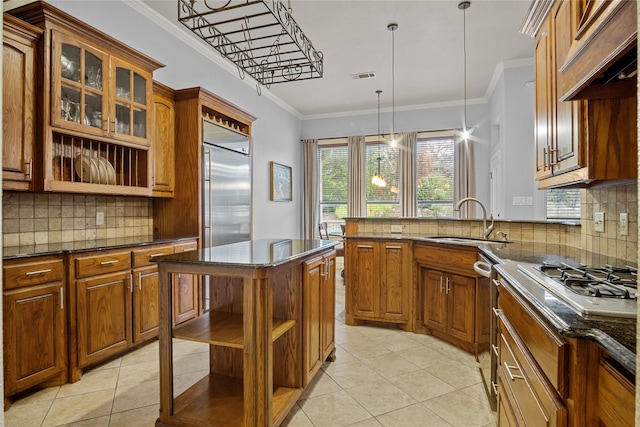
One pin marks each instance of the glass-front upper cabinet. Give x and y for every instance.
(98, 94)
(79, 98)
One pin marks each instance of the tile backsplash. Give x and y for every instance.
(42, 218)
(611, 200)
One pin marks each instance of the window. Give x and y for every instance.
(382, 201)
(435, 176)
(563, 204)
(332, 182)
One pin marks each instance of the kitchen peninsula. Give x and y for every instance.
(269, 323)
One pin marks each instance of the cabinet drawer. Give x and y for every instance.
(185, 247)
(32, 272)
(454, 259)
(549, 349)
(538, 402)
(102, 263)
(142, 257)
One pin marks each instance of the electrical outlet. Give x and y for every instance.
(598, 221)
(624, 224)
(99, 218)
(396, 229)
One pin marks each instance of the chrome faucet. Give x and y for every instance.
(486, 232)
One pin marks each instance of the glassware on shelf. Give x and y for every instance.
(93, 77)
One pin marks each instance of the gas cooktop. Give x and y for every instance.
(591, 291)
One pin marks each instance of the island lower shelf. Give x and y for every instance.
(219, 400)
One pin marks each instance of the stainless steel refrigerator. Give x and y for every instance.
(226, 186)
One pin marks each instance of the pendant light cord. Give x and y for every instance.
(393, 83)
(464, 54)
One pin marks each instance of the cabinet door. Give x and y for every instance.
(395, 283)
(18, 110)
(312, 313)
(364, 278)
(185, 298)
(328, 307)
(34, 335)
(146, 300)
(567, 135)
(103, 317)
(131, 94)
(79, 85)
(435, 298)
(543, 106)
(163, 143)
(460, 292)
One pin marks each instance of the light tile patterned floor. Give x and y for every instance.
(381, 377)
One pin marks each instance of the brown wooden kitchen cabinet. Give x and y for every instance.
(615, 394)
(186, 289)
(34, 323)
(379, 282)
(96, 100)
(451, 303)
(318, 306)
(163, 141)
(19, 72)
(582, 141)
(146, 292)
(101, 291)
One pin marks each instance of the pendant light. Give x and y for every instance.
(377, 178)
(463, 6)
(393, 27)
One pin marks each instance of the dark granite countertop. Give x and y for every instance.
(251, 254)
(616, 336)
(14, 252)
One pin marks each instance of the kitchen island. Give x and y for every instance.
(269, 323)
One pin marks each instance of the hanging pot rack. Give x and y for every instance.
(259, 36)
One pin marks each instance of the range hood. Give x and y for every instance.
(602, 61)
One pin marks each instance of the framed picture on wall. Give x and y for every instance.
(280, 182)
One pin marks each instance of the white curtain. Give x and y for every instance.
(465, 185)
(311, 199)
(407, 173)
(357, 205)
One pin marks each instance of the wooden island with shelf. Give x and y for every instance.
(263, 338)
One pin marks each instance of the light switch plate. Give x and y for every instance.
(624, 224)
(396, 228)
(598, 221)
(99, 218)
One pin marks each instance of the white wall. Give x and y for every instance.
(511, 109)
(276, 132)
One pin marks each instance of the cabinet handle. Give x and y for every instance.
(154, 255)
(393, 247)
(496, 283)
(496, 312)
(29, 168)
(553, 160)
(139, 281)
(440, 284)
(495, 388)
(495, 349)
(546, 157)
(115, 126)
(131, 282)
(447, 287)
(511, 376)
(61, 298)
(33, 273)
(113, 261)
(365, 246)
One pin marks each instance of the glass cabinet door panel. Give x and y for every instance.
(92, 71)
(140, 89)
(140, 123)
(70, 104)
(123, 119)
(123, 83)
(70, 62)
(93, 110)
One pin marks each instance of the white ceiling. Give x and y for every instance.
(353, 37)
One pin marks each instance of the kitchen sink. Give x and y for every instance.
(464, 240)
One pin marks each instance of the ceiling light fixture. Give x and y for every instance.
(393, 27)
(377, 178)
(463, 6)
(259, 36)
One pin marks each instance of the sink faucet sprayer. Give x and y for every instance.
(486, 230)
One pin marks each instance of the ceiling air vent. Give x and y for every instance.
(367, 75)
